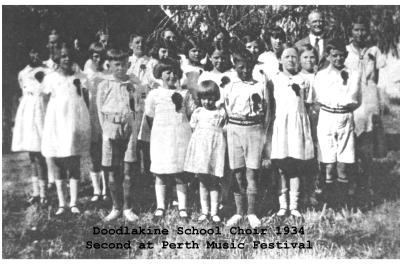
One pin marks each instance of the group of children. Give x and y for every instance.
(215, 111)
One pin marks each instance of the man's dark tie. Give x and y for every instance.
(316, 46)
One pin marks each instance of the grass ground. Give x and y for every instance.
(33, 231)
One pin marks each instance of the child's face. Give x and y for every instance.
(169, 36)
(218, 60)
(289, 60)
(208, 102)
(337, 58)
(195, 55)
(53, 44)
(253, 47)
(169, 77)
(65, 60)
(244, 70)
(34, 57)
(277, 44)
(163, 53)
(308, 61)
(96, 58)
(119, 68)
(359, 33)
(137, 46)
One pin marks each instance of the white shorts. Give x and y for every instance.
(335, 137)
(245, 145)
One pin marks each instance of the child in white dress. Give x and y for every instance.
(29, 121)
(166, 111)
(95, 75)
(291, 138)
(205, 156)
(309, 65)
(66, 133)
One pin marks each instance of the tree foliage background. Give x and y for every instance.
(25, 24)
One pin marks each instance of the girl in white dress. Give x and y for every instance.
(28, 129)
(95, 75)
(167, 115)
(221, 72)
(205, 156)
(291, 138)
(194, 50)
(275, 39)
(309, 65)
(66, 133)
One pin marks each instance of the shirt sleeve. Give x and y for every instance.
(150, 104)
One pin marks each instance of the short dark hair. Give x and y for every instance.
(243, 56)
(336, 44)
(167, 64)
(117, 55)
(359, 19)
(208, 88)
(162, 44)
(96, 47)
(193, 42)
(275, 32)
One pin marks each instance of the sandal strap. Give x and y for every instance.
(73, 206)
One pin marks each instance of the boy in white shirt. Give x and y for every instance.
(337, 91)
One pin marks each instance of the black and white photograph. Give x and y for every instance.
(201, 131)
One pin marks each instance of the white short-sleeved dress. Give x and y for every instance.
(29, 121)
(170, 134)
(291, 135)
(206, 151)
(67, 124)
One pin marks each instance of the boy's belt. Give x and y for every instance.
(243, 122)
(118, 118)
(335, 110)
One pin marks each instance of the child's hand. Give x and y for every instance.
(266, 163)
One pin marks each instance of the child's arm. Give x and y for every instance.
(100, 100)
(194, 119)
(268, 103)
(85, 90)
(149, 108)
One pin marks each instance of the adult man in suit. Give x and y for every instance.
(317, 36)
